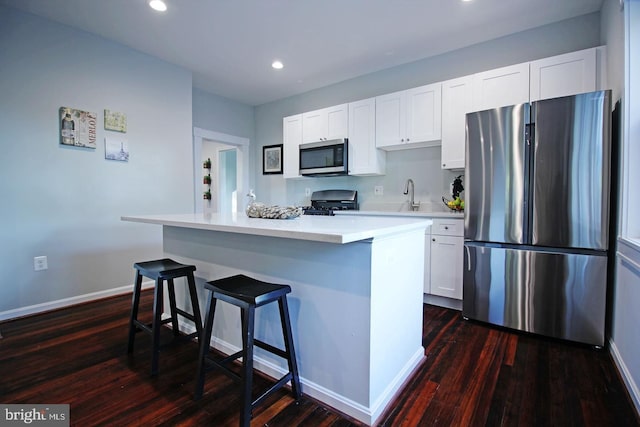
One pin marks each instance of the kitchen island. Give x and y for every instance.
(355, 305)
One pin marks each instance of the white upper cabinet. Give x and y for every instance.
(501, 87)
(410, 118)
(325, 124)
(457, 101)
(435, 114)
(390, 119)
(364, 157)
(563, 75)
(292, 137)
(424, 113)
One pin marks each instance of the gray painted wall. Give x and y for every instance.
(219, 114)
(423, 165)
(66, 202)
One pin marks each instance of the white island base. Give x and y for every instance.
(355, 307)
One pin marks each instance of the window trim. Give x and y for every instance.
(630, 206)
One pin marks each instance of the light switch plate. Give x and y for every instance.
(40, 263)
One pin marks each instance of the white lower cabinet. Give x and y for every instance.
(427, 261)
(446, 258)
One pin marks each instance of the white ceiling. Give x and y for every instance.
(229, 44)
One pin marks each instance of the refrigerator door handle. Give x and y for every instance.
(530, 133)
(466, 248)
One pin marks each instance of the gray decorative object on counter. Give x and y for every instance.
(260, 210)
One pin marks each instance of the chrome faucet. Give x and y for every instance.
(414, 206)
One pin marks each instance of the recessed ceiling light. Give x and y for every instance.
(277, 65)
(158, 5)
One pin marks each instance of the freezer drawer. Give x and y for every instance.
(554, 294)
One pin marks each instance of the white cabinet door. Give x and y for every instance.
(424, 113)
(457, 101)
(327, 123)
(501, 87)
(314, 123)
(447, 245)
(390, 119)
(563, 75)
(337, 121)
(446, 266)
(364, 157)
(410, 118)
(292, 137)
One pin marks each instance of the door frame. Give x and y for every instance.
(242, 146)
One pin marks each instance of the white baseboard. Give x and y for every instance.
(454, 304)
(634, 391)
(369, 416)
(65, 302)
(395, 386)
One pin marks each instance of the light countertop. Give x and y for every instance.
(403, 214)
(331, 229)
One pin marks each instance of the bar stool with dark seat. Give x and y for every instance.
(248, 294)
(161, 270)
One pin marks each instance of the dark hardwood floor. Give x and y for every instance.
(474, 375)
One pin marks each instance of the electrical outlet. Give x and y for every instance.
(40, 263)
(307, 191)
(378, 190)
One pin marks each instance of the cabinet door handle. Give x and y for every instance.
(446, 227)
(407, 139)
(434, 239)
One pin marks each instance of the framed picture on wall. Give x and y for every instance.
(272, 159)
(77, 127)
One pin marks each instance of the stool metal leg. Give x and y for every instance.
(157, 322)
(134, 311)
(204, 340)
(195, 307)
(288, 346)
(173, 307)
(247, 363)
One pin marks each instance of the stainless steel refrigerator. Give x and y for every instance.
(537, 195)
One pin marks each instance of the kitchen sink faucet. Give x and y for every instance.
(414, 206)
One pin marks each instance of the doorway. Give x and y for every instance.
(227, 177)
(229, 156)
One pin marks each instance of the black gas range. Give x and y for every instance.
(325, 202)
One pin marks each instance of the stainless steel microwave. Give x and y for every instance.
(325, 158)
